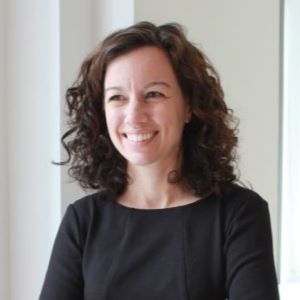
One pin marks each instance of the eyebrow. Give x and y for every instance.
(158, 83)
(150, 84)
(119, 88)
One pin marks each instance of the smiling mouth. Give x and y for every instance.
(141, 137)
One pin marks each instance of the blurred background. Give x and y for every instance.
(255, 47)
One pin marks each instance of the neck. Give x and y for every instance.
(151, 188)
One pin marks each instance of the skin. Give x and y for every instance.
(145, 114)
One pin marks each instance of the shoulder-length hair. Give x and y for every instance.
(209, 139)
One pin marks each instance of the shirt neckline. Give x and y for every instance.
(166, 209)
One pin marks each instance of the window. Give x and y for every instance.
(290, 208)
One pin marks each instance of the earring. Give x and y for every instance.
(188, 119)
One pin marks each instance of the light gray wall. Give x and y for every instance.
(80, 31)
(75, 43)
(242, 40)
(3, 168)
(31, 81)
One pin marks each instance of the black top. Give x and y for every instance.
(212, 249)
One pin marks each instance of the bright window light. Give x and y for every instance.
(290, 207)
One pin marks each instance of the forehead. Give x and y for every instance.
(142, 65)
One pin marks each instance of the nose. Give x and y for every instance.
(136, 112)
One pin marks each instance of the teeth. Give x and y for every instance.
(139, 137)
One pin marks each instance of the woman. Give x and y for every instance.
(150, 131)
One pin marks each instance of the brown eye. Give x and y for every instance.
(116, 98)
(154, 94)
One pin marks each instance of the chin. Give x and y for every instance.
(140, 161)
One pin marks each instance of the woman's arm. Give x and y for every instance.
(64, 278)
(250, 268)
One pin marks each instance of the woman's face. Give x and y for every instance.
(144, 107)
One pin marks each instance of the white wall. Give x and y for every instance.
(4, 289)
(32, 101)
(242, 40)
(109, 15)
(80, 31)
(75, 43)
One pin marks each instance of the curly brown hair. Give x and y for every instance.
(209, 139)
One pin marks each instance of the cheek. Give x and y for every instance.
(110, 121)
(169, 116)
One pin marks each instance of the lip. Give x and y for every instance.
(139, 135)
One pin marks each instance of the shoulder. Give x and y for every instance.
(85, 209)
(85, 213)
(91, 201)
(237, 196)
(91, 204)
(242, 205)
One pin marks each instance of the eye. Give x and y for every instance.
(155, 94)
(116, 98)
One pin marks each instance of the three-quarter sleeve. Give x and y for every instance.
(250, 272)
(64, 278)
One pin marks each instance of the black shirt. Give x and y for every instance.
(213, 249)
